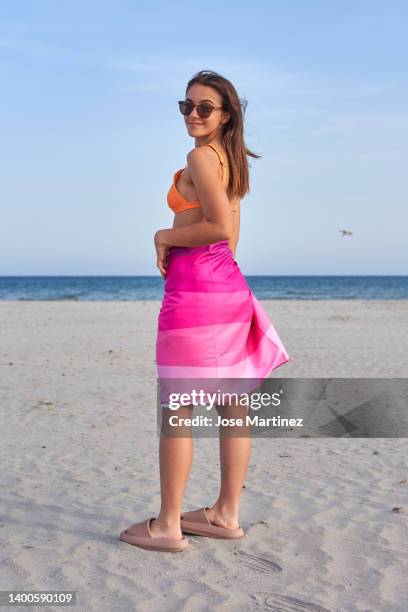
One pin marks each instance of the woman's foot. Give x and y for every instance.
(210, 523)
(223, 518)
(158, 530)
(140, 535)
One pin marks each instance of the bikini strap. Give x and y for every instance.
(219, 157)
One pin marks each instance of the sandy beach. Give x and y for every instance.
(80, 463)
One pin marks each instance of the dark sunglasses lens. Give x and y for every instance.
(185, 108)
(204, 110)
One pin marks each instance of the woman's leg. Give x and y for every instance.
(234, 459)
(176, 457)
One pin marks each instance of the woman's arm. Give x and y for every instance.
(195, 234)
(204, 170)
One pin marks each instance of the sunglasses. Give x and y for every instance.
(204, 109)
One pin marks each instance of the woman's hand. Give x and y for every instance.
(162, 252)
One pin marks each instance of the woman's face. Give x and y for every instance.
(200, 127)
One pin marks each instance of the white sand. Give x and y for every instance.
(79, 464)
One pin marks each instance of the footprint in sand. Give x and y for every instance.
(257, 564)
(284, 603)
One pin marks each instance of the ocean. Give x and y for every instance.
(128, 288)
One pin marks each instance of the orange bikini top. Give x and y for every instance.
(177, 202)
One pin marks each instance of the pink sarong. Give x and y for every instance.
(210, 323)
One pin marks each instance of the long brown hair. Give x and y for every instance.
(232, 131)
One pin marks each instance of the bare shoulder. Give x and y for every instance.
(202, 154)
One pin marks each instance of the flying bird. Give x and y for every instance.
(345, 232)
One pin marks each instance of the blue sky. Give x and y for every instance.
(91, 134)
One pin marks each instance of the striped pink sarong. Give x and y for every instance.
(210, 323)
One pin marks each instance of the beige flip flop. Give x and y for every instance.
(198, 523)
(142, 537)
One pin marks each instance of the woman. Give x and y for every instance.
(210, 323)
